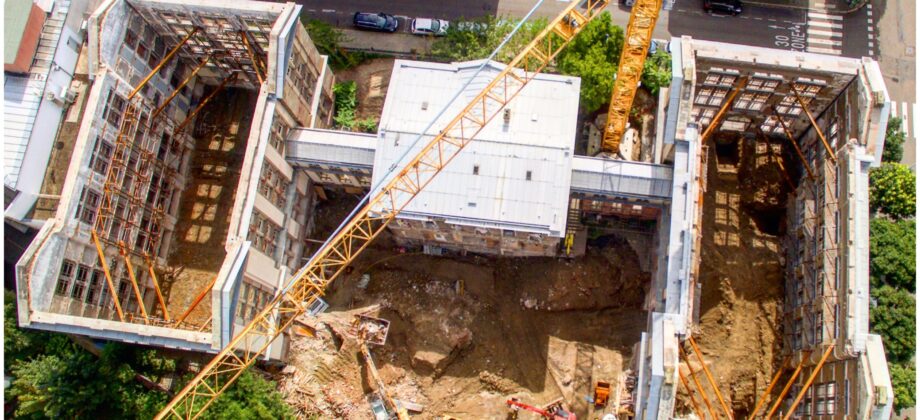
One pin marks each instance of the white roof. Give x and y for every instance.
(538, 139)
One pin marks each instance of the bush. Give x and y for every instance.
(891, 190)
(346, 104)
(328, 41)
(892, 253)
(892, 317)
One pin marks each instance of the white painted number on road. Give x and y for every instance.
(795, 41)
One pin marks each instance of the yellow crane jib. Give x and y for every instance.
(310, 282)
(632, 59)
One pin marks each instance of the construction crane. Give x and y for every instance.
(377, 210)
(551, 411)
(638, 38)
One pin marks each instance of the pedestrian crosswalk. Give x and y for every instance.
(908, 113)
(825, 33)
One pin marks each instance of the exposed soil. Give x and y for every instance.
(373, 79)
(197, 250)
(469, 332)
(741, 270)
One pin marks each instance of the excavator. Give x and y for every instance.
(370, 330)
(303, 291)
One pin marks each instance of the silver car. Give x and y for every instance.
(423, 26)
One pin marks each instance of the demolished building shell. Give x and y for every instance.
(159, 173)
(240, 191)
(827, 279)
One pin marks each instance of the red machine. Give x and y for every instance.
(552, 411)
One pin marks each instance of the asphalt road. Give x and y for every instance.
(792, 29)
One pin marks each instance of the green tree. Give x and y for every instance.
(894, 141)
(892, 253)
(892, 317)
(346, 106)
(891, 190)
(657, 71)
(902, 381)
(251, 397)
(55, 378)
(593, 56)
(476, 40)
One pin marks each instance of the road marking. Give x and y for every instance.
(825, 33)
(825, 42)
(818, 32)
(916, 121)
(871, 29)
(823, 24)
(819, 15)
(822, 50)
(328, 10)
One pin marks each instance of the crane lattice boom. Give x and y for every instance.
(632, 60)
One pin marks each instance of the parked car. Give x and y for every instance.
(422, 26)
(730, 7)
(375, 22)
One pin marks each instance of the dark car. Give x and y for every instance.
(730, 7)
(376, 22)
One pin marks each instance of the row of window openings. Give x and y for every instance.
(88, 208)
(816, 334)
(252, 299)
(528, 176)
(88, 285)
(821, 399)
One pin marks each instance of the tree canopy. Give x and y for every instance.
(892, 253)
(894, 141)
(902, 381)
(52, 377)
(475, 40)
(657, 71)
(891, 190)
(593, 56)
(892, 317)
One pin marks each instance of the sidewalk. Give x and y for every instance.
(398, 43)
(833, 6)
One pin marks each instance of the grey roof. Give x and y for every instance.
(339, 148)
(621, 178)
(538, 139)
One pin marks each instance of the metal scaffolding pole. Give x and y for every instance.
(162, 63)
(779, 399)
(179, 88)
(712, 382)
(252, 57)
(814, 124)
(198, 299)
(108, 276)
(795, 144)
(683, 380)
(203, 103)
(137, 290)
(811, 378)
(766, 392)
(717, 119)
(696, 381)
(156, 287)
